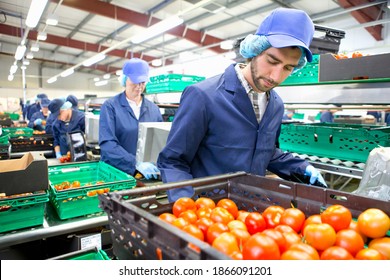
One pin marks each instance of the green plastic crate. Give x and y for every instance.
(4, 138)
(307, 75)
(15, 132)
(99, 177)
(351, 142)
(22, 212)
(171, 83)
(13, 116)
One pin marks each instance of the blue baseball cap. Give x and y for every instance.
(45, 102)
(288, 27)
(137, 70)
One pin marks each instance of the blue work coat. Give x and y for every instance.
(327, 116)
(50, 122)
(60, 129)
(31, 109)
(35, 116)
(215, 131)
(118, 130)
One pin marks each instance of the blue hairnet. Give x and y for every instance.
(72, 99)
(253, 45)
(122, 80)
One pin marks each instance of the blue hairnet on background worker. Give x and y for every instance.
(73, 99)
(231, 122)
(68, 120)
(54, 108)
(38, 119)
(119, 118)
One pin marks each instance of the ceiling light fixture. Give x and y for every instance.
(20, 50)
(156, 29)
(67, 73)
(26, 62)
(42, 36)
(94, 59)
(101, 83)
(106, 76)
(96, 79)
(227, 44)
(388, 4)
(10, 77)
(52, 20)
(13, 69)
(52, 80)
(34, 47)
(35, 12)
(156, 62)
(29, 55)
(119, 72)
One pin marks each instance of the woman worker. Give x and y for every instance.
(68, 120)
(38, 119)
(119, 118)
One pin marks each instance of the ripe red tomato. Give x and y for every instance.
(205, 202)
(278, 237)
(313, 219)
(203, 224)
(338, 216)
(226, 243)
(354, 225)
(242, 214)
(382, 245)
(167, 217)
(203, 212)
(229, 205)
(373, 223)
(291, 238)
(183, 204)
(320, 236)
(194, 231)
(336, 253)
(236, 224)
(241, 235)
(369, 254)
(214, 230)
(284, 228)
(189, 215)
(295, 255)
(272, 215)
(221, 215)
(294, 218)
(255, 222)
(180, 222)
(310, 250)
(260, 247)
(349, 240)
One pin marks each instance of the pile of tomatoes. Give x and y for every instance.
(283, 234)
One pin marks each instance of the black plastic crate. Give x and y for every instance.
(138, 233)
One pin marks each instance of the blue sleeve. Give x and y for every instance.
(56, 135)
(112, 151)
(184, 138)
(31, 121)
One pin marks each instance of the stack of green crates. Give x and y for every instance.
(351, 142)
(171, 83)
(18, 212)
(4, 145)
(94, 177)
(306, 75)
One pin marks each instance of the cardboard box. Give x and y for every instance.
(27, 174)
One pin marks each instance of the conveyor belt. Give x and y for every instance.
(335, 166)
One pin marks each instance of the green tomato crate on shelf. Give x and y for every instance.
(88, 254)
(15, 132)
(351, 142)
(171, 83)
(18, 212)
(95, 178)
(307, 75)
(4, 138)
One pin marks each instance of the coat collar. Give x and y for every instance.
(124, 103)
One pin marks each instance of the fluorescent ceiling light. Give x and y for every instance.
(20, 52)
(23, 67)
(52, 80)
(52, 20)
(30, 55)
(106, 76)
(26, 62)
(13, 69)
(34, 47)
(227, 45)
(67, 73)
(96, 79)
(35, 12)
(157, 29)
(42, 36)
(101, 83)
(156, 62)
(94, 59)
(10, 77)
(118, 72)
(231, 55)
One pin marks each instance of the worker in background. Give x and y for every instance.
(54, 108)
(38, 119)
(68, 120)
(231, 122)
(35, 107)
(119, 118)
(327, 116)
(73, 99)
